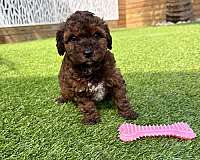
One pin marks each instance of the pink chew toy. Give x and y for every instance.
(130, 132)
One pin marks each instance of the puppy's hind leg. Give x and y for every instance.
(123, 105)
(120, 98)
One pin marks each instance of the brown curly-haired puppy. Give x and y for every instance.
(88, 73)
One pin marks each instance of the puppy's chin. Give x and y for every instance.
(89, 63)
(89, 68)
(86, 69)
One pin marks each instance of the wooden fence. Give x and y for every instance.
(132, 13)
(196, 8)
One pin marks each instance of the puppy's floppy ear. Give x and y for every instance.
(60, 42)
(109, 41)
(108, 37)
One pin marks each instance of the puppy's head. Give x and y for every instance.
(84, 39)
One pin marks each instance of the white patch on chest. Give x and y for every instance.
(98, 91)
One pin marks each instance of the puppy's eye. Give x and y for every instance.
(73, 38)
(98, 35)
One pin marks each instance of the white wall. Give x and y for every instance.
(30, 12)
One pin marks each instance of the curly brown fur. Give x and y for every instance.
(88, 73)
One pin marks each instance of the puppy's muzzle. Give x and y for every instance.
(88, 52)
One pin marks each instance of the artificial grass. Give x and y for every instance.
(161, 67)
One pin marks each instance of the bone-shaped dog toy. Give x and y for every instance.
(130, 132)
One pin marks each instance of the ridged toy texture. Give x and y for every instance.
(130, 132)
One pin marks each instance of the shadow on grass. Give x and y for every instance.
(154, 95)
(7, 63)
(165, 96)
(31, 123)
(29, 87)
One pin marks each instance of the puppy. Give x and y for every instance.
(88, 73)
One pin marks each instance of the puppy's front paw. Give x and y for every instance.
(60, 100)
(91, 119)
(129, 115)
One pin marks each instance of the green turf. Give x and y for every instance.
(161, 66)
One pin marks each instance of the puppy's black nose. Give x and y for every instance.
(88, 52)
